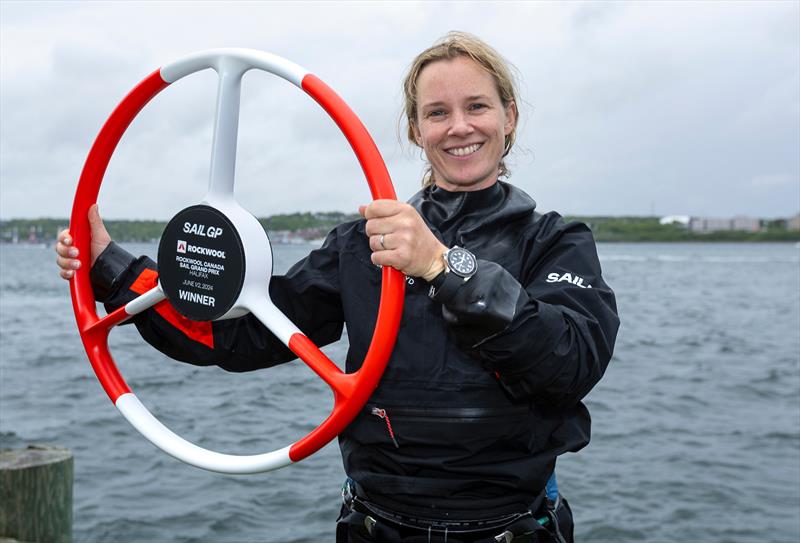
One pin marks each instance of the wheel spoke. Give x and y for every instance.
(226, 128)
(279, 324)
(134, 307)
(341, 383)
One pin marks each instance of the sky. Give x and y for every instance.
(630, 108)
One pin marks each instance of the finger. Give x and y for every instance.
(383, 208)
(67, 274)
(64, 237)
(95, 222)
(362, 210)
(66, 251)
(375, 243)
(68, 263)
(379, 226)
(380, 258)
(386, 258)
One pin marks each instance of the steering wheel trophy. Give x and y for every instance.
(215, 260)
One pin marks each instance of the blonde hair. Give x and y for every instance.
(461, 44)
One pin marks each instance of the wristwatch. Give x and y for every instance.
(459, 266)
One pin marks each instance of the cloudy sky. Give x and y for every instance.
(628, 108)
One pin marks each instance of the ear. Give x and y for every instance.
(417, 135)
(511, 118)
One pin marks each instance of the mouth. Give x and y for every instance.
(464, 151)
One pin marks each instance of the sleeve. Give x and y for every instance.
(308, 295)
(549, 335)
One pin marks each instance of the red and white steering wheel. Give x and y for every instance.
(215, 260)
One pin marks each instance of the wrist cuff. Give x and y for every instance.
(108, 269)
(444, 286)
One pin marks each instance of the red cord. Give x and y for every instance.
(385, 416)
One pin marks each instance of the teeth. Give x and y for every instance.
(463, 151)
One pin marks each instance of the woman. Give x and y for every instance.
(509, 327)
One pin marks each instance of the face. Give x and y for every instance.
(461, 123)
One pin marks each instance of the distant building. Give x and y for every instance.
(793, 223)
(748, 224)
(280, 236)
(710, 224)
(676, 219)
(292, 237)
(705, 224)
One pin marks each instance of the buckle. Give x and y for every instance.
(348, 493)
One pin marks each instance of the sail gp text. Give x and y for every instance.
(197, 268)
(201, 230)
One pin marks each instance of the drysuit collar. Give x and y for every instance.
(468, 210)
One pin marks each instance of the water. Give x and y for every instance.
(696, 430)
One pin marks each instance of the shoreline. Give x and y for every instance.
(302, 228)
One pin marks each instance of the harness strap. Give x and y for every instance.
(373, 526)
(362, 518)
(352, 521)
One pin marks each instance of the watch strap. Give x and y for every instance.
(437, 281)
(444, 286)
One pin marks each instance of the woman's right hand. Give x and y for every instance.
(68, 258)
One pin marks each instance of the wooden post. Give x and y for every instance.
(36, 494)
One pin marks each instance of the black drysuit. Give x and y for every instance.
(483, 391)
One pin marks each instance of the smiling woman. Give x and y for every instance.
(459, 440)
(460, 98)
(462, 123)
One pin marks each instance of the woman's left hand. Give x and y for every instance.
(400, 238)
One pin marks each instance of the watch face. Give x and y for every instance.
(461, 261)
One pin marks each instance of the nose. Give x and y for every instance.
(460, 125)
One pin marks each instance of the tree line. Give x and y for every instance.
(314, 225)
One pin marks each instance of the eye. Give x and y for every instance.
(435, 113)
(477, 106)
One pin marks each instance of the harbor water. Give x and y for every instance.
(696, 424)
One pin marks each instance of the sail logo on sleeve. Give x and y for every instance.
(567, 277)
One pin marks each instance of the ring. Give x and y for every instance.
(380, 240)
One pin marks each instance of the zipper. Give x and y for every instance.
(443, 415)
(454, 414)
(381, 413)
